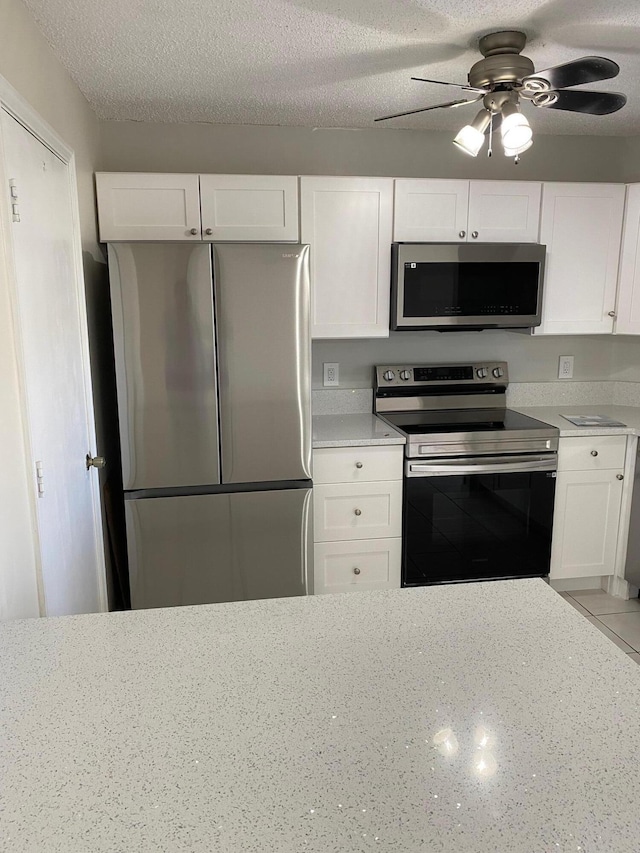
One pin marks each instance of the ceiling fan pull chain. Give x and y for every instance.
(490, 151)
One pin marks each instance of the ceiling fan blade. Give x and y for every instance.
(444, 83)
(434, 107)
(588, 69)
(579, 101)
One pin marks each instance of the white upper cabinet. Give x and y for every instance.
(430, 211)
(628, 311)
(249, 207)
(148, 206)
(581, 226)
(504, 211)
(348, 223)
(442, 211)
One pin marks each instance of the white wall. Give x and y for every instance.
(27, 62)
(530, 359)
(142, 146)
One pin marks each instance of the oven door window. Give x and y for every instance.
(478, 526)
(453, 289)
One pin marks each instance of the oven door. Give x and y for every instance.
(478, 519)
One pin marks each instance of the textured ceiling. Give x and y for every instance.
(324, 63)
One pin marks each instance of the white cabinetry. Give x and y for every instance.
(348, 223)
(249, 207)
(589, 490)
(357, 518)
(581, 226)
(628, 310)
(458, 211)
(148, 206)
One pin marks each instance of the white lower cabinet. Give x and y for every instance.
(357, 521)
(359, 565)
(587, 507)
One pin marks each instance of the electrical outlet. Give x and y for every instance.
(331, 373)
(565, 367)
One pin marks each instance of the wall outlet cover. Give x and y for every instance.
(331, 373)
(565, 367)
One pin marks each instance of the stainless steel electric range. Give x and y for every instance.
(479, 478)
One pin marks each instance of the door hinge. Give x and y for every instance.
(40, 479)
(15, 207)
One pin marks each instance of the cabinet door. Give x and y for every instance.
(249, 207)
(431, 211)
(347, 222)
(581, 226)
(585, 523)
(148, 206)
(504, 211)
(357, 511)
(628, 311)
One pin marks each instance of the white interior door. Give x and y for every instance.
(53, 336)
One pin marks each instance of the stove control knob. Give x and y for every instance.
(405, 374)
(389, 375)
(481, 372)
(498, 372)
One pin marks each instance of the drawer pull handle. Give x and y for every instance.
(358, 464)
(594, 452)
(356, 571)
(358, 511)
(619, 476)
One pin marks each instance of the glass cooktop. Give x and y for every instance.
(457, 421)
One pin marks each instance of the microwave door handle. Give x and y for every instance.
(444, 469)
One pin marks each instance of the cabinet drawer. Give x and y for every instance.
(357, 464)
(357, 511)
(591, 453)
(352, 566)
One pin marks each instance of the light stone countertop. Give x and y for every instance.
(354, 430)
(629, 415)
(490, 718)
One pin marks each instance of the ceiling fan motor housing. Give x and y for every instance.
(501, 68)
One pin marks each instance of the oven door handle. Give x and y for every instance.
(515, 465)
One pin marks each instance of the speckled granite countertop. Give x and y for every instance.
(629, 415)
(490, 718)
(352, 431)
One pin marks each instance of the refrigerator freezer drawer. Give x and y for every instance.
(223, 547)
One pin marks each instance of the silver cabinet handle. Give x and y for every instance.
(356, 571)
(474, 234)
(612, 313)
(208, 231)
(94, 461)
(358, 511)
(619, 476)
(594, 452)
(462, 235)
(193, 231)
(358, 464)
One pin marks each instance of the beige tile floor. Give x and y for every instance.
(619, 620)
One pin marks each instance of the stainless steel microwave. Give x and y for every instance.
(457, 286)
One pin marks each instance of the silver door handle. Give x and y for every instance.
(358, 464)
(356, 571)
(594, 452)
(440, 469)
(94, 461)
(357, 511)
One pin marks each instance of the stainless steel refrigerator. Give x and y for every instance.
(212, 351)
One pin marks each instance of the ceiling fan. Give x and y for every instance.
(504, 78)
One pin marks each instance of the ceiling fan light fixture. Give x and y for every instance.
(470, 138)
(516, 130)
(515, 152)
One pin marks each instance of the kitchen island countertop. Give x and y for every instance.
(478, 717)
(353, 430)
